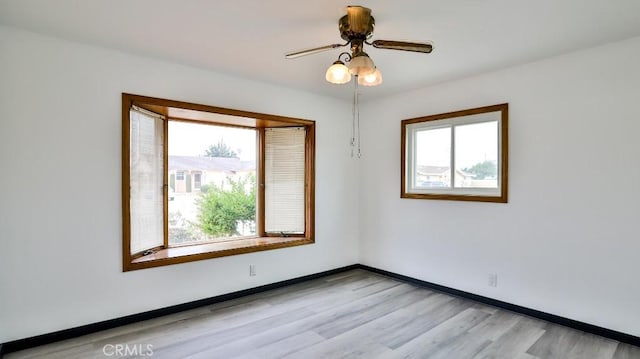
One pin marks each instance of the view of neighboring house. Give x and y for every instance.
(188, 173)
(187, 176)
(436, 176)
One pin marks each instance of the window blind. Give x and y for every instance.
(284, 180)
(146, 181)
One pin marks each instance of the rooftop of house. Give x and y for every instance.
(225, 164)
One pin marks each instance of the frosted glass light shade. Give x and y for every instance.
(338, 73)
(361, 65)
(372, 79)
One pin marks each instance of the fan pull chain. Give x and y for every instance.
(358, 118)
(355, 122)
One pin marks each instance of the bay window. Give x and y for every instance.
(201, 182)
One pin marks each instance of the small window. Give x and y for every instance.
(197, 180)
(456, 156)
(179, 175)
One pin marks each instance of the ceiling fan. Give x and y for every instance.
(356, 28)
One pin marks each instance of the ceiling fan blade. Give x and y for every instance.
(403, 45)
(296, 54)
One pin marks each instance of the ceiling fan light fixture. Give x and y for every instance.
(361, 64)
(356, 28)
(338, 73)
(372, 79)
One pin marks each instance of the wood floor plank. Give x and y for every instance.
(466, 345)
(527, 356)
(443, 334)
(385, 326)
(496, 325)
(255, 341)
(211, 320)
(555, 343)
(403, 295)
(348, 345)
(314, 288)
(413, 322)
(406, 323)
(330, 299)
(593, 347)
(626, 351)
(354, 314)
(196, 341)
(515, 341)
(485, 307)
(275, 349)
(71, 352)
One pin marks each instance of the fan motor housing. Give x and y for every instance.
(356, 27)
(357, 24)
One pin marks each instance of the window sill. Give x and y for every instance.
(502, 198)
(213, 250)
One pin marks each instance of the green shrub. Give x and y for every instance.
(221, 210)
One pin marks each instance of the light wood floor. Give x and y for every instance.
(356, 314)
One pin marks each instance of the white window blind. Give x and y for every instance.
(284, 180)
(146, 181)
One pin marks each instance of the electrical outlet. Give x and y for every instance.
(252, 270)
(492, 280)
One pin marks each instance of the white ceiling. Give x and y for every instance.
(249, 38)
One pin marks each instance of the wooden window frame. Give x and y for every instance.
(503, 142)
(197, 113)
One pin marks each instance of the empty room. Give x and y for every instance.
(280, 179)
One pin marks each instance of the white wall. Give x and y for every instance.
(567, 242)
(60, 234)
